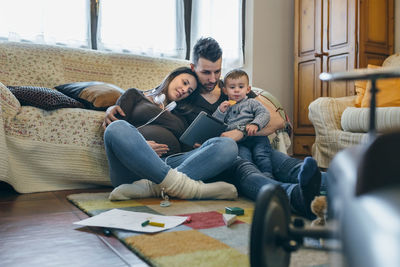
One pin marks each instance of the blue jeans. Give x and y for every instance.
(249, 179)
(257, 149)
(130, 158)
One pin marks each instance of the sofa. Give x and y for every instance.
(340, 122)
(58, 149)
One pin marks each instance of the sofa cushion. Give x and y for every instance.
(44, 98)
(94, 95)
(360, 87)
(356, 120)
(388, 94)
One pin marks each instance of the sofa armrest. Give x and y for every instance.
(65, 126)
(325, 113)
(9, 104)
(9, 107)
(279, 127)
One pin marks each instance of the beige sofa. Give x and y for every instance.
(63, 149)
(339, 124)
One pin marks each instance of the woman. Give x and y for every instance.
(140, 168)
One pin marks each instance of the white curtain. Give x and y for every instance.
(150, 27)
(45, 21)
(222, 20)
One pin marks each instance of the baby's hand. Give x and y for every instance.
(224, 106)
(251, 129)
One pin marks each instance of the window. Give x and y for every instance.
(45, 21)
(151, 27)
(166, 28)
(221, 20)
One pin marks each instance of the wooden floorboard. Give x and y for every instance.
(37, 230)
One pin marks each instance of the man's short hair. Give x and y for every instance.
(235, 74)
(207, 48)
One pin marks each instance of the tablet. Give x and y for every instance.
(201, 129)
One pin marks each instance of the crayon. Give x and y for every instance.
(156, 224)
(145, 223)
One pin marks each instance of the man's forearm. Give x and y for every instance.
(276, 121)
(271, 127)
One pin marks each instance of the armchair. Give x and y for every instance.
(339, 124)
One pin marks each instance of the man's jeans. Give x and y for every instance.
(249, 179)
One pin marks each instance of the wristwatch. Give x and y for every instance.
(242, 128)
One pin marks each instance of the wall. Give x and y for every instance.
(269, 48)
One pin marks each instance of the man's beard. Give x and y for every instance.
(207, 89)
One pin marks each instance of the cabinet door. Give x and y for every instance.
(307, 86)
(339, 44)
(376, 31)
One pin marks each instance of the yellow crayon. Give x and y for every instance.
(156, 224)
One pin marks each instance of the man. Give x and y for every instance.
(301, 180)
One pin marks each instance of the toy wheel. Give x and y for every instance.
(270, 228)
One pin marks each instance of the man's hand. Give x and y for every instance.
(234, 134)
(110, 115)
(160, 149)
(251, 129)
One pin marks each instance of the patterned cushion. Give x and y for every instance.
(43, 98)
(94, 95)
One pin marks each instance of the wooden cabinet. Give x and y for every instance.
(331, 36)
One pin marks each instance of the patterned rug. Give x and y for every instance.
(204, 241)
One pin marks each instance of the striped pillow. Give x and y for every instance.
(356, 120)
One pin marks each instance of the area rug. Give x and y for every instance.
(204, 241)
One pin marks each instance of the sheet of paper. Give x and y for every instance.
(130, 220)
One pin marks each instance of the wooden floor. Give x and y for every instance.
(37, 230)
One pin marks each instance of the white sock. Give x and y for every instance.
(178, 184)
(139, 189)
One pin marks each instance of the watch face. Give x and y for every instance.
(241, 127)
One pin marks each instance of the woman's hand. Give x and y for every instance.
(234, 134)
(196, 145)
(160, 149)
(251, 129)
(110, 115)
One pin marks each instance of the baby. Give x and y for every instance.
(247, 115)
